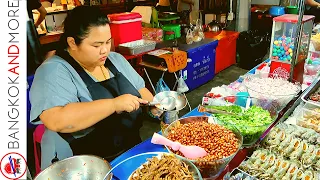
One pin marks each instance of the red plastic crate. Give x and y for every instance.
(125, 27)
(226, 49)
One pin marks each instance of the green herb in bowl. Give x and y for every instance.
(251, 123)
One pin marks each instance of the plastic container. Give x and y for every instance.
(314, 55)
(283, 35)
(122, 23)
(226, 49)
(125, 168)
(201, 68)
(292, 10)
(137, 47)
(251, 133)
(316, 41)
(209, 170)
(310, 117)
(280, 100)
(276, 11)
(171, 31)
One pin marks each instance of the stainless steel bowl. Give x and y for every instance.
(179, 99)
(82, 167)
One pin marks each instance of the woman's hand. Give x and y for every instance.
(127, 103)
(156, 112)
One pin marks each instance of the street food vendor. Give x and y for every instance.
(87, 97)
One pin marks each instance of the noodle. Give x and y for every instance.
(167, 167)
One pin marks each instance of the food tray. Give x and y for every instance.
(313, 88)
(308, 115)
(244, 175)
(137, 47)
(285, 144)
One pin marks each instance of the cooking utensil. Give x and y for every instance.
(82, 167)
(176, 100)
(167, 103)
(191, 152)
(150, 104)
(214, 111)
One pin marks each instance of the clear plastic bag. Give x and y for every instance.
(182, 86)
(161, 86)
(189, 37)
(198, 31)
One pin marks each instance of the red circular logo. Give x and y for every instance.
(13, 165)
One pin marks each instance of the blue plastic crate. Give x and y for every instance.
(202, 67)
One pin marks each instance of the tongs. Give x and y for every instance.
(214, 111)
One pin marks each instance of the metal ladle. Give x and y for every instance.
(166, 104)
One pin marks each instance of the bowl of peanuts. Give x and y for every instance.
(221, 141)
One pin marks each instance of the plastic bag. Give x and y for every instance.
(189, 37)
(161, 86)
(200, 29)
(182, 86)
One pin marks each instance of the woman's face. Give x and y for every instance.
(95, 48)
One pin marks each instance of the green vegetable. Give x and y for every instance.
(251, 123)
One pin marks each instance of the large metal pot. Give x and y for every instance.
(82, 167)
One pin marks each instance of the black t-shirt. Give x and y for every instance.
(31, 5)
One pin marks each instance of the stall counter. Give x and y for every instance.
(147, 146)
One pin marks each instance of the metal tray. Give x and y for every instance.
(231, 176)
(310, 90)
(137, 47)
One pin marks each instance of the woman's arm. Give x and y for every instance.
(146, 94)
(81, 115)
(42, 16)
(312, 3)
(77, 116)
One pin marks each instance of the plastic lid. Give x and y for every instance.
(292, 18)
(171, 27)
(124, 16)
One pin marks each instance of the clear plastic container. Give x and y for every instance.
(251, 131)
(280, 97)
(310, 117)
(283, 35)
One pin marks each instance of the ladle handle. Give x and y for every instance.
(150, 104)
(161, 140)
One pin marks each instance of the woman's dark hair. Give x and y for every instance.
(79, 21)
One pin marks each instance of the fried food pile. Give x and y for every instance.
(166, 167)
